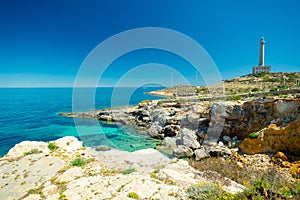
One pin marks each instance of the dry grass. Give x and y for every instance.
(265, 183)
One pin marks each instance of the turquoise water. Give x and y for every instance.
(32, 114)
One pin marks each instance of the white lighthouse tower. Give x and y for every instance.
(261, 60)
(261, 52)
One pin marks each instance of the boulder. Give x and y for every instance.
(171, 130)
(190, 121)
(170, 142)
(159, 116)
(182, 151)
(281, 156)
(200, 154)
(217, 151)
(217, 120)
(155, 130)
(189, 138)
(226, 138)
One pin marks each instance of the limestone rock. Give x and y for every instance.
(160, 116)
(51, 191)
(281, 156)
(226, 138)
(71, 174)
(182, 151)
(251, 116)
(190, 121)
(217, 120)
(51, 176)
(27, 146)
(285, 139)
(155, 130)
(170, 142)
(189, 138)
(69, 143)
(286, 108)
(170, 130)
(200, 154)
(33, 197)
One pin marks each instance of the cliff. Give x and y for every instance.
(185, 124)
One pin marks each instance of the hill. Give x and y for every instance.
(267, 84)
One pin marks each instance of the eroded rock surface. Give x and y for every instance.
(273, 139)
(111, 174)
(227, 122)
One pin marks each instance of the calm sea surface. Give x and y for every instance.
(33, 114)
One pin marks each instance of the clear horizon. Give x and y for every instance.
(43, 44)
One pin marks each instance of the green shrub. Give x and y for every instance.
(34, 191)
(255, 90)
(78, 162)
(295, 189)
(273, 80)
(201, 89)
(129, 171)
(183, 101)
(260, 184)
(52, 146)
(233, 98)
(133, 195)
(256, 181)
(32, 151)
(159, 103)
(292, 75)
(205, 191)
(259, 75)
(253, 135)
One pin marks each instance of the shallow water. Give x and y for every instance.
(33, 114)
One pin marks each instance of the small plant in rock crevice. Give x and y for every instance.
(52, 146)
(129, 171)
(253, 135)
(78, 162)
(133, 195)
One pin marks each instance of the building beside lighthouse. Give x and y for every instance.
(261, 60)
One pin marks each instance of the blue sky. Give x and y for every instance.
(43, 43)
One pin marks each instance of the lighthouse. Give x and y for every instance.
(261, 60)
(261, 52)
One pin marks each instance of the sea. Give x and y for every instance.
(32, 114)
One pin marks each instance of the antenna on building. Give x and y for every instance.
(171, 81)
(196, 78)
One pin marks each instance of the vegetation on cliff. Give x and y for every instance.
(265, 84)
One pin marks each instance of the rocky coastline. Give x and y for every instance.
(37, 170)
(259, 130)
(186, 127)
(224, 144)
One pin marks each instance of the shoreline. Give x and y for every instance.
(167, 119)
(178, 125)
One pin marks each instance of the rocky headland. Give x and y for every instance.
(186, 127)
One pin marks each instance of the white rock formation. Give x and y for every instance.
(49, 175)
